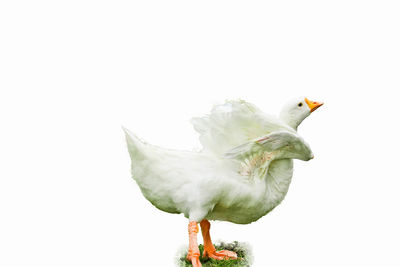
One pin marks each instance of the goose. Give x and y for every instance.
(242, 173)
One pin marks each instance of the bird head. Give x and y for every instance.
(294, 112)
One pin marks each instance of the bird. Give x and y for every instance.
(242, 172)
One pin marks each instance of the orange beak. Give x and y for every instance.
(313, 105)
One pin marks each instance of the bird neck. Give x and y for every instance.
(290, 120)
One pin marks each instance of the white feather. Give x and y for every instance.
(205, 185)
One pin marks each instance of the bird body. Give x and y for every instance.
(243, 171)
(201, 185)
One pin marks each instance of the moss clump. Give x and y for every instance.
(242, 251)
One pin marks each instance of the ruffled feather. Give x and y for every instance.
(233, 123)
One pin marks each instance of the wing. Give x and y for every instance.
(281, 144)
(257, 154)
(232, 124)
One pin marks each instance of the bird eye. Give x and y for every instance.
(300, 104)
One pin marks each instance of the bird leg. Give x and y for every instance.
(194, 252)
(209, 249)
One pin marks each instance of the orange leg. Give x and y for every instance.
(209, 249)
(194, 252)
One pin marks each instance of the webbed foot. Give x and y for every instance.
(194, 258)
(220, 255)
(209, 249)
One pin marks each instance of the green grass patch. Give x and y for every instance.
(241, 249)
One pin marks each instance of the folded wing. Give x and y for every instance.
(256, 155)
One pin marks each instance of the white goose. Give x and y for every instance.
(242, 173)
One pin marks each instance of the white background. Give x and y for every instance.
(73, 72)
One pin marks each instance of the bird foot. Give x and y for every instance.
(194, 258)
(220, 255)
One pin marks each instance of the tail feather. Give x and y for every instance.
(136, 147)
